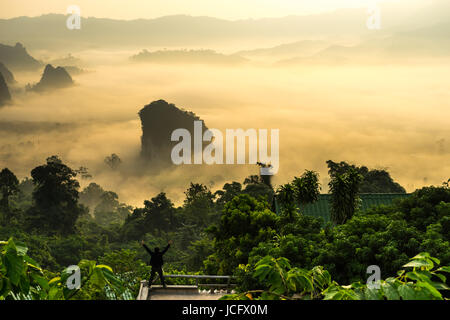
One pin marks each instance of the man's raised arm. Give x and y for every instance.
(146, 248)
(167, 247)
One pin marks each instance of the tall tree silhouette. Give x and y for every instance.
(298, 193)
(307, 187)
(286, 197)
(113, 161)
(344, 189)
(56, 207)
(9, 186)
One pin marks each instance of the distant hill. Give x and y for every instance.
(17, 58)
(53, 78)
(187, 56)
(289, 50)
(49, 31)
(5, 96)
(374, 180)
(335, 54)
(425, 43)
(433, 41)
(159, 119)
(9, 77)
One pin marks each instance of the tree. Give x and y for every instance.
(299, 240)
(286, 196)
(307, 187)
(134, 227)
(446, 184)
(228, 192)
(160, 213)
(344, 190)
(257, 187)
(300, 191)
(25, 196)
(244, 223)
(109, 202)
(199, 205)
(109, 210)
(425, 207)
(91, 196)
(9, 186)
(84, 173)
(380, 181)
(253, 179)
(374, 181)
(368, 240)
(113, 161)
(56, 207)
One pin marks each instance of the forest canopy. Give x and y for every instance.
(226, 232)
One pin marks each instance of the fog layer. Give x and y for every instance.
(388, 116)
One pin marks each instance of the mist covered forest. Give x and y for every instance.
(226, 232)
(86, 118)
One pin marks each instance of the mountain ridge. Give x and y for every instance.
(52, 78)
(176, 30)
(17, 58)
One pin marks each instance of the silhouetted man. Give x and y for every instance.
(156, 261)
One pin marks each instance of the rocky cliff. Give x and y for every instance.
(159, 119)
(9, 78)
(5, 96)
(53, 78)
(17, 58)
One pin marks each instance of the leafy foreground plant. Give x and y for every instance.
(425, 281)
(22, 278)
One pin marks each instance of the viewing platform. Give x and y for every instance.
(199, 291)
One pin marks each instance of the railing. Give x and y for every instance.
(199, 277)
(144, 290)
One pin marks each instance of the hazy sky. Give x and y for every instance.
(228, 9)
